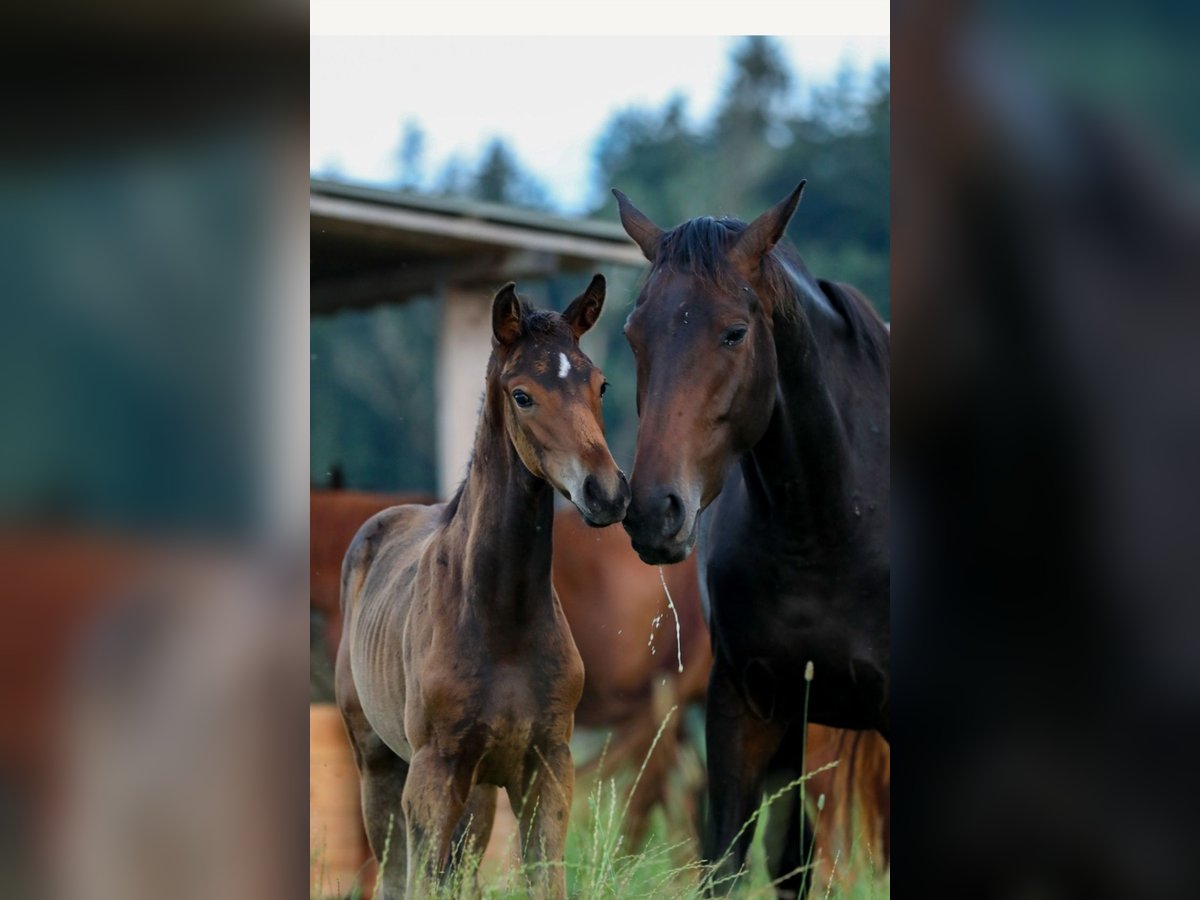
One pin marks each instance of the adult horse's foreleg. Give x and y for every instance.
(789, 838)
(789, 834)
(740, 748)
(435, 797)
(543, 809)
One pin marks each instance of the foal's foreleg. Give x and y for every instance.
(435, 797)
(543, 809)
(474, 829)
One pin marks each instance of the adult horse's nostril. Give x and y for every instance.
(672, 514)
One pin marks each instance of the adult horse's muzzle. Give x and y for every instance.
(661, 527)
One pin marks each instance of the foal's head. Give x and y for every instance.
(702, 336)
(551, 397)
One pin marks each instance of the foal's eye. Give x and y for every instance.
(603, 389)
(523, 399)
(734, 336)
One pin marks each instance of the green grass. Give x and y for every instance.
(600, 866)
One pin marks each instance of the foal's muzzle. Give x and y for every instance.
(602, 507)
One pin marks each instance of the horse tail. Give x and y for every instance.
(856, 822)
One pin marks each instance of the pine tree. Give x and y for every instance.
(410, 156)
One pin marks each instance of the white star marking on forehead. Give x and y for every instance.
(563, 366)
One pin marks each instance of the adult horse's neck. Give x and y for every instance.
(798, 472)
(506, 516)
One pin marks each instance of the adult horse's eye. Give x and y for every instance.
(734, 336)
(523, 399)
(603, 389)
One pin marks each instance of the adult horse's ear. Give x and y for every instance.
(638, 226)
(506, 315)
(584, 310)
(761, 235)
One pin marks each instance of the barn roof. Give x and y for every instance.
(371, 246)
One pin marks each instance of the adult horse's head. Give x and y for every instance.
(701, 333)
(551, 400)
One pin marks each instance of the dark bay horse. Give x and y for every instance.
(763, 394)
(457, 672)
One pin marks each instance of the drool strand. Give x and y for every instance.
(671, 603)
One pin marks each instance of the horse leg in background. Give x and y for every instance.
(740, 749)
(435, 797)
(474, 829)
(659, 759)
(544, 808)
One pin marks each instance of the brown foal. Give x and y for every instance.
(457, 672)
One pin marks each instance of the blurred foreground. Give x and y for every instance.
(1046, 226)
(153, 327)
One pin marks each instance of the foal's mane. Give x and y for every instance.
(700, 247)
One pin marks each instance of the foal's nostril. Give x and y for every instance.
(672, 512)
(591, 491)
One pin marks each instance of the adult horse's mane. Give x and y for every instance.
(700, 247)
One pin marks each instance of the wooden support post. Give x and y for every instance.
(464, 344)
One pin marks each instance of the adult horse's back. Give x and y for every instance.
(764, 394)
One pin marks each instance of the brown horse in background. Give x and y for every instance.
(334, 517)
(457, 673)
(611, 599)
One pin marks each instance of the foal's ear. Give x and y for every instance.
(638, 226)
(584, 310)
(506, 315)
(761, 235)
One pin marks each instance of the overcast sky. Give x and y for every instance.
(548, 97)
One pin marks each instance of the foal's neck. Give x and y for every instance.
(507, 515)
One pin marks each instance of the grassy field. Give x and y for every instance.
(598, 864)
